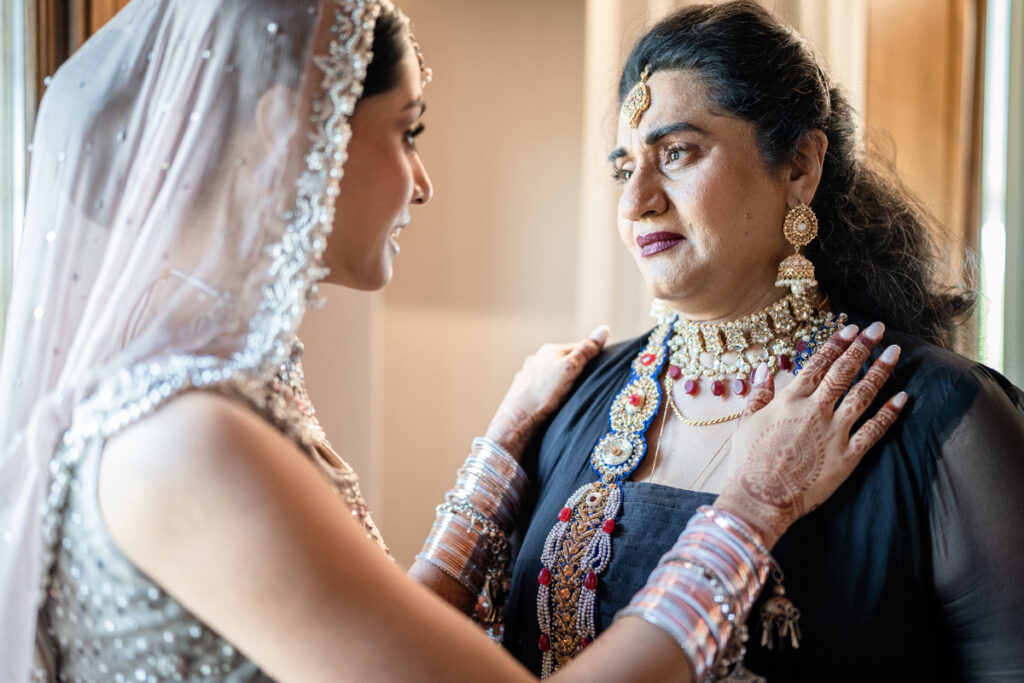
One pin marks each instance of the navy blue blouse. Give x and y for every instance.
(912, 571)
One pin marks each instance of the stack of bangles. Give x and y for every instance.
(703, 588)
(472, 525)
(700, 592)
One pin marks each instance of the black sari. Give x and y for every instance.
(912, 571)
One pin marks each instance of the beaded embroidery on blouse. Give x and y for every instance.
(112, 621)
(285, 402)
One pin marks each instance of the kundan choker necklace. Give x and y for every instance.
(577, 550)
(777, 335)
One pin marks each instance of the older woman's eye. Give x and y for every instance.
(674, 154)
(621, 175)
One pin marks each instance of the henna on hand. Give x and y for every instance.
(815, 368)
(796, 450)
(512, 429)
(874, 429)
(784, 464)
(863, 392)
(837, 379)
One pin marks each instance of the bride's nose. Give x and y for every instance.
(423, 190)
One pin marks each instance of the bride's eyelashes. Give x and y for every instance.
(413, 133)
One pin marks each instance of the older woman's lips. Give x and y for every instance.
(656, 242)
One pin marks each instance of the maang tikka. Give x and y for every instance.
(800, 226)
(638, 100)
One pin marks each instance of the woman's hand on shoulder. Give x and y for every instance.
(539, 388)
(797, 448)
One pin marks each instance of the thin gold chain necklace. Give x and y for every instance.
(657, 450)
(669, 382)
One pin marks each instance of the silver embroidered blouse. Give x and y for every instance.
(102, 619)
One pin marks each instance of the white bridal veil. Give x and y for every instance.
(184, 171)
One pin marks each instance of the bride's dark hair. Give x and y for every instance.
(391, 42)
(875, 253)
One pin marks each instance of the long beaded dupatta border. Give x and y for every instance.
(296, 268)
(578, 547)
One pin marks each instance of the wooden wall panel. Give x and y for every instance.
(100, 12)
(63, 25)
(52, 40)
(922, 86)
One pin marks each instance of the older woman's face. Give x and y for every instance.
(700, 212)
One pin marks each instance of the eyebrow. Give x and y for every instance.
(418, 102)
(658, 133)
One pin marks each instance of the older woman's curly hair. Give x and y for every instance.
(874, 253)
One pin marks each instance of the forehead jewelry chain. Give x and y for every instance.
(638, 100)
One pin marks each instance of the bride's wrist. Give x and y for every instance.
(511, 431)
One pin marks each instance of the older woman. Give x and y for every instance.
(735, 157)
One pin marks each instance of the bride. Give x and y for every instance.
(169, 507)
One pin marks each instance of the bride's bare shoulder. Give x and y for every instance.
(196, 429)
(202, 455)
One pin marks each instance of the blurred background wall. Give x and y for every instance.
(519, 247)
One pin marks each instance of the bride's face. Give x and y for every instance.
(383, 177)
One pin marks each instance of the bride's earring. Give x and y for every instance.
(796, 271)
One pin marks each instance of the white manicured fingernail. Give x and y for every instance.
(848, 332)
(900, 399)
(891, 354)
(600, 333)
(874, 331)
(761, 374)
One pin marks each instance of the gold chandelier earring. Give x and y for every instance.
(796, 271)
